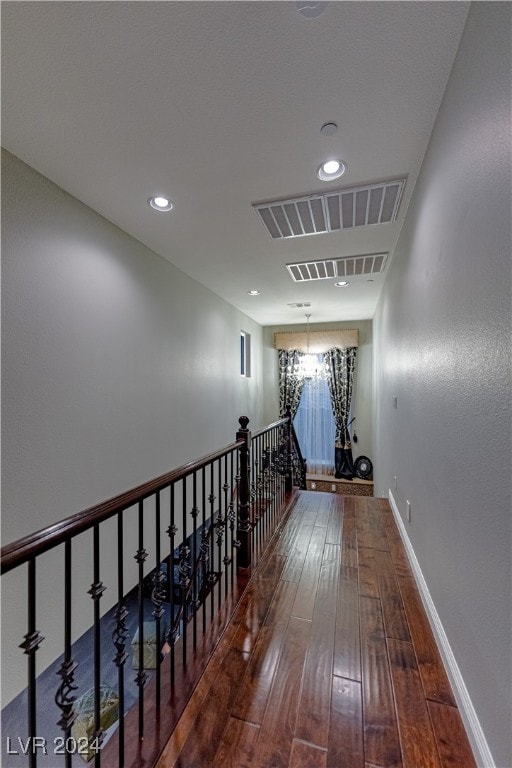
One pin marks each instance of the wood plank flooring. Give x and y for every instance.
(331, 663)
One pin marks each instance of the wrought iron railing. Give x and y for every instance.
(299, 464)
(205, 523)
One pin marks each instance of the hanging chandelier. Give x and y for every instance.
(309, 366)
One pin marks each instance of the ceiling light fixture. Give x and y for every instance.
(331, 169)
(254, 293)
(331, 166)
(160, 203)
(308, 365)
(341, 284)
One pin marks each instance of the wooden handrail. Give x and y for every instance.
(24, 549)
(278, 423)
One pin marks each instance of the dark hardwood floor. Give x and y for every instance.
(330, 661)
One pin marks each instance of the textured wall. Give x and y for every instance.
(116, 367)
(442, 347)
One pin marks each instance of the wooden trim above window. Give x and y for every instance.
(319, 341)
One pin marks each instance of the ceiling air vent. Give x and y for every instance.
(331, 211)
(299, 304)
(345, 266)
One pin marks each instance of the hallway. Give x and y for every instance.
(329, 660)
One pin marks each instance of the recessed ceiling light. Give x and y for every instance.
(160, 203)
(341, 284)
(253, 293)
(331, 169)
(331, 166)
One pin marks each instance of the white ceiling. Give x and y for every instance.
(219, 105)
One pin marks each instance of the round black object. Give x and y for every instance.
(363, 468)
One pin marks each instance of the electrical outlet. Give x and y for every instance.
(408, 511)
(313, 486)
(333, 487)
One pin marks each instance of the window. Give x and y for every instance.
(245, 353)
(315, 426)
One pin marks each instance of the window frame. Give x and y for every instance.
(245, 354)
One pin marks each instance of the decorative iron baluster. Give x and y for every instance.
(96, 591)
(120, 634)
(33, 640)
(236, 540)
(158, 597)
(261, 488)
(140, 558)
(279, 468)
(64, 698)
(255, 479)
(264, 485)
(253, 470)
(270, 480)
(231, 515)
(269, 486)
(227, 559)
(262, 478)
(299, 467)
(244, 527)
(274, 477)
(211, 574)
(203, 550)
(284, 462)
(288, 449)
(195, 602)
(204, 556)
(278, 479)
(219, 527)
(174, 627)
(184, 570)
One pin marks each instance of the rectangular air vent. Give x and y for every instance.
(344, 266)
(299, 304)
(332, 211)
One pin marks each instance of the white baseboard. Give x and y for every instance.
(474, 730)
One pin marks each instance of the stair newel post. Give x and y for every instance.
(244, 523)
(289, 466)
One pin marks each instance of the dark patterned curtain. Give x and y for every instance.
(341, 365)
(290, 386)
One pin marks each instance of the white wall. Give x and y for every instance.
(116, 367)
(363, 379)
(442, 347)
